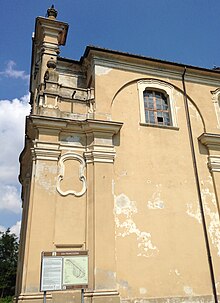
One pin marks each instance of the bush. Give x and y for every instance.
(8, 264)
(8, 299)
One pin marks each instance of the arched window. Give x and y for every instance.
(156, 107)
(157, 101)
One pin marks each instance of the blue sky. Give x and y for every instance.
(184, 31)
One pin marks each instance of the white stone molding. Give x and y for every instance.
(32, 297)
(82, 178)
(98, 156)
(214, 163)
(212, 142)
(216, 103)
(164, 87)
(45, 151)
(101, 293)
(100, 147)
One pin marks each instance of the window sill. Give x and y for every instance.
(160, 126)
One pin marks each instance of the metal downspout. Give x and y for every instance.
(211, 269)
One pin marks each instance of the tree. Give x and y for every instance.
(8, 263)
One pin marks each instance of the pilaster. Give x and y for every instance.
(212, 143)
(100, 155)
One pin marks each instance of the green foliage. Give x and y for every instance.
(8, 264)
(8, 299)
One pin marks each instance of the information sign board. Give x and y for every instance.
(64, 270)
(51, 274)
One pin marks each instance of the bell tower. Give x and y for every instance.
(66, 171)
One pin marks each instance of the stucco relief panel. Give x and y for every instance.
(64, 165)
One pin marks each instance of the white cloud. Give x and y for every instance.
(12, 127)
(2, 228)
(11, 72)
(15, 229)
(10, 199)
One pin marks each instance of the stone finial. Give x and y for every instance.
(52, 12)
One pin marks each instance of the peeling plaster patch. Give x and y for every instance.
(214, 228)
(123, 284)
(188, 290)
(155, 205)
(113, 187)
(142, 290)
(217, 284)
(123, 173)
(106, 277)
(101, 70)
(194, 213)
(156, 202)
(177, 272)
(213, 225)
(174, 272)
(126, 208)
(125, 287)
(209, 201)
(42, 178)
(145, 244)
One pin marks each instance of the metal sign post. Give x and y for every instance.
(45, 295)
(82, 295)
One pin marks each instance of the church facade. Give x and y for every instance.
(122, 161)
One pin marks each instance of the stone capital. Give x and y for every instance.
(214, 163)
(211, 141)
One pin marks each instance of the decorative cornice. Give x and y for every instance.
(53, 27)
(45, 151)
(45, 154)
(214, 163)
(211, 141)
(161, 69)
(99, 156)
(100, 146)
(85, 126)
(102, 126)
(99, 134)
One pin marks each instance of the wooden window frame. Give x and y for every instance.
(158, 110)
(168, 91)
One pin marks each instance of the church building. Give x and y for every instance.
(120, 178)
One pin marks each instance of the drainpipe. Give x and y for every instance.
(208, 250)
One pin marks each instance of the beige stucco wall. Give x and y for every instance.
(160, 243)
(95, 178)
